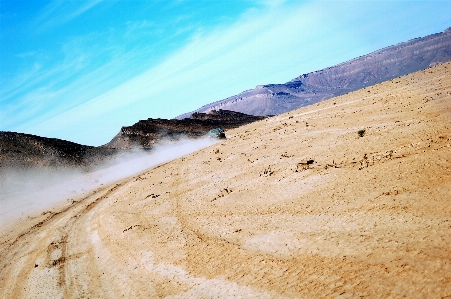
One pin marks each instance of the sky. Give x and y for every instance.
(80, 70)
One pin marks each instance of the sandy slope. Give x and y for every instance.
(249, 218)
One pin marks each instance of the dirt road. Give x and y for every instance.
(296, 206)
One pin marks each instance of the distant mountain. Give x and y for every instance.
(25, 150)
(146, 133)
(367, 70)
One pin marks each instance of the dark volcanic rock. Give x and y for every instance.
(379, 66)
(146, 133)
(24, 150)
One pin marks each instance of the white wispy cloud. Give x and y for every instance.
(271, 3)
(26, 55)
(137, 27)
(82, 9)
(60, 12)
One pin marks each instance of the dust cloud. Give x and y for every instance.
(27, 193)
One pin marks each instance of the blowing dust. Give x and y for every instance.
(25, 193)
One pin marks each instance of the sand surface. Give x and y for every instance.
(251, 218)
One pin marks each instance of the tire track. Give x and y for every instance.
(49, 252)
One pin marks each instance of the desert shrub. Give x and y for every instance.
(361, 132)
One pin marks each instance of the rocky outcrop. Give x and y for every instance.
(25, 150)
(146, 133)
(367, 70)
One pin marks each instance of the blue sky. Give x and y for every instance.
(80, 70)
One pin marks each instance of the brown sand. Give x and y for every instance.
(250, 218)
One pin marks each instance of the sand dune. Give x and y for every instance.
(295, 206)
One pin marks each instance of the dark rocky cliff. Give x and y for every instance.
(25, 150)
(367, 70)
(146, 133)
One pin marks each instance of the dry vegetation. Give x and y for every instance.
(295, 206)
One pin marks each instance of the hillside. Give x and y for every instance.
(293, 206)
(18, 150)
(147, 133)
(367, 70)
(25, 151)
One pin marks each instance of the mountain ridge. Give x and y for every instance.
(146, 133)
(23, 151)
(376, 67)
(20, 150)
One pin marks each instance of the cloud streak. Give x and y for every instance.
(60, 12)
